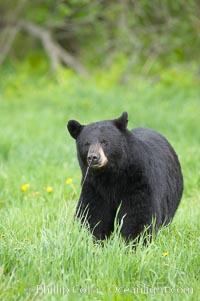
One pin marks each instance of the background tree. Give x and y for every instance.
(79, 33)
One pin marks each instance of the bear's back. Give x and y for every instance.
(148, 135)
(157, 149)
(162, 164)
(156, 143)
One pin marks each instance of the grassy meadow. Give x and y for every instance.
(44, 254)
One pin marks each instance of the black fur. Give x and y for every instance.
(143, 176)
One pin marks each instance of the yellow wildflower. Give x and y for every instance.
(165, 254)
(35, 192)
(24, 187)
(3, 235)
(49, 189)
(68, 181)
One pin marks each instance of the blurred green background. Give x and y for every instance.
(138, 37)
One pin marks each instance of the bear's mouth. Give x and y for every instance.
(95, 166)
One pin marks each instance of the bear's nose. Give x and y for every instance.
(93, 158)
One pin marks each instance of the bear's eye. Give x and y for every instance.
(87, 144)
(104, 142)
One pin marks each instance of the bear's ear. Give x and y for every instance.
(122, 121)
(74, 128)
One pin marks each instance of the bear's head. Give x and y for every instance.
(100, 145)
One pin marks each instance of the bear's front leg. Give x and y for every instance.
(93, 210)
(134, 215)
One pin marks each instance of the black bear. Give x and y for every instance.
(135, 174)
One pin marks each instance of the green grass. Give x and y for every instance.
(44, 254)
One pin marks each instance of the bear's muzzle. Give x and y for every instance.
(96, 157)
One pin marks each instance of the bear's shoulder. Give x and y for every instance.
(148, 135)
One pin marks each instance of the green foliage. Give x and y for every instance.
(147, 33)
(56, 12)
(40, 244)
